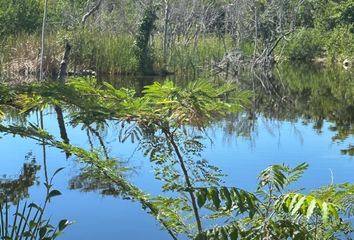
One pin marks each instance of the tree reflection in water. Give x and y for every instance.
(310, 94)
(16, 189)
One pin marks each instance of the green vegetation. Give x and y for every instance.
(19, 17)
(328, 32)
(153, 38)
(143, 51)
(170, 122)
(305, 45)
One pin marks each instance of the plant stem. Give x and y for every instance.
(170, 138)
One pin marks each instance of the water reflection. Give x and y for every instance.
(291, 93)
(15, 189)
(313, 96)
(310, 93)
(91, 180)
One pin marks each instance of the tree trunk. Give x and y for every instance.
(170, 138)
(166, 37)
(64, 62)
(42, 40)
(61, 77)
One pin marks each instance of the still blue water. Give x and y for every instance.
(294, 117)
(102, 217)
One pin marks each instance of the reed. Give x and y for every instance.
(105, 53)
(20, 57)
(197, 56)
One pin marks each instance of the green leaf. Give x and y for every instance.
(42, 232)
(53, 193)
(57, 171)
(233, 233)
(225, 194)
(298, 205)
(325, 213)
(201, 197)
(222, 233)
(333, 211)
(32, 224)
(213, 194)
(63, 224)
(27, 234)
(294, 198)
(239, 199)
(33, 205)
(310, 209)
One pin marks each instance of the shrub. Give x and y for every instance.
(305, 45)
(339, 44)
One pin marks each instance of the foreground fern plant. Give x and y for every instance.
(273, 212)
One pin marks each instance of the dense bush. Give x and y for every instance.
(305, 45)
(339, 44)
(18, 16)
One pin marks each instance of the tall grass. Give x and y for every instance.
(106, 53)
(19, 57)
(197, 56)
(102, 52)
(114, 54)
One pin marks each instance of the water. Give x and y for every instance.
(299, 114)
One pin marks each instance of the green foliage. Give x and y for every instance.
(143, 51)
(105, 53)
(323, 25)
(273, 214)
(280, 176)
(192, 58)
(233, 199)
(305, 45)
(339, 44)
(331, 14)
(305, 206)
(64, 14)
(18, 16)
(341, 194)
(196, 105)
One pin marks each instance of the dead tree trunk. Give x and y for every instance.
(64, 62)
(61, 77)
(166, 35)
(61, 124)
(42, 40)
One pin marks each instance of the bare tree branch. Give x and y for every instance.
(89, 13)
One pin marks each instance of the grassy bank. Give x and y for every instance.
(105, 53)
(113, 54)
